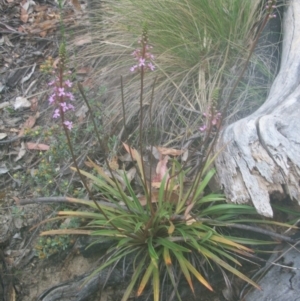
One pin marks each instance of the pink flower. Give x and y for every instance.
(141, 62)
(68, 124)
(56, 113)
(68, 83)
(203, 128)
(70, 95)
(64, 106)
(151, 66)
(133, 68)
(71, 107)
(61, 92)
(52, 99)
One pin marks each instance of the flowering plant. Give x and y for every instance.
(143, 56)
(61, 96)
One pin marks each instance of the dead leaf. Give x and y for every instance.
(171, 228)
(161, 171)
(79, 41)
(39, 8)
(154, 198)
(4, 104)
(24, 16)
(169, 151)
(185, 155)
(188, 210)
(76, 4)
(156, 154)
(30, 122)
(34, 104)
(21, 153)
(55, 63)
(133, 152)
(3, 168)
(189, 220)
(17, 200)
(113, 163)
(22, 102)
(131, 173)
(81, 112)
(37, 146)
(84, 70)
(3, 135)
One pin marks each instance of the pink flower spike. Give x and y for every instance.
(61, 92)
(51, 83)
(56, 113)
(68, 124)
(68, 83)
(151, 66)
(142, 62)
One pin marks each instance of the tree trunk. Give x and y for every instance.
(261, 153)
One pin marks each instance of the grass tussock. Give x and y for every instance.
(195, 43)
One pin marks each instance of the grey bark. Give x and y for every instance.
(261, 153)
(282, 281)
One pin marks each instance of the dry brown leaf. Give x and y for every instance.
(79, 41)
(188, 210)
(24, 16)
(43, 34)
(131, 173)
(133, 152)
(161, 171)
(84, 70)
(189, 220)
(113, 163)
(3, 135)
(21, 153)
(154, 198)
(88, 164)
(169, 151)
(185, 155)
(55, 63)
(21, 102)
(39, 8)
(34, 104)
(76, 4)
(37, 146)
(28, 124)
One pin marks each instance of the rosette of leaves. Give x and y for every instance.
(164, 228)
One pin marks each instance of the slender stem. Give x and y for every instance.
(102, 146)
(141, 131)
(61, 99)
(123, 104)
